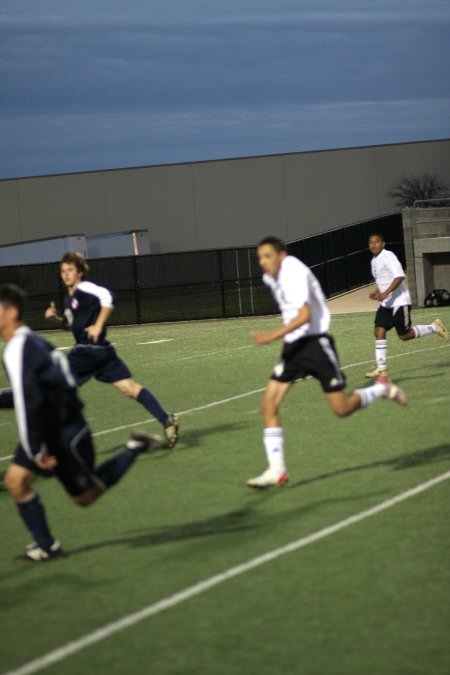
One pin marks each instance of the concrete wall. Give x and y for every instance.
(218, 204)
(427, 250)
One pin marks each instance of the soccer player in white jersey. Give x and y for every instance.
(87, 308)
(307, 350)
(394, 310)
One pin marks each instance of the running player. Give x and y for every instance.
(394, 310)
(307, 350)
(87, 308)
(54, 439)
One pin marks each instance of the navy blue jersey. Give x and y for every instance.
(43, 390)
(82, 309)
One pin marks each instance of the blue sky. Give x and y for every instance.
(100, 84)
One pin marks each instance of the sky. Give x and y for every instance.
(103, 84)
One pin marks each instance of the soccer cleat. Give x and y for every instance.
(376, 372)
(269, 478)
(440, 329)
(34, 553)
(171, 429)
(393, 391)
(140, 441)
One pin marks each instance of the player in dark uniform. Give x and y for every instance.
(87, 308)
(54, 439)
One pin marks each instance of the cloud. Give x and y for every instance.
(116, 139)
(113, 83)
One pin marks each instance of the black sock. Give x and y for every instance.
(32, 513)
(111, 471)
(153, 406)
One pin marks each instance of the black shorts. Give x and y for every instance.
(99, 361)
(76, 457)
(315, 356)
(394, 317)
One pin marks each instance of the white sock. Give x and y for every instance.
(370, 394)
(422, 331)
(273, 440)
(381, 353)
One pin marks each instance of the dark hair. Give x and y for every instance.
(376, 234)
(13, 296)
(277, 244)
(75, 258)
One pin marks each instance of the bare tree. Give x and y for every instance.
(409, 189)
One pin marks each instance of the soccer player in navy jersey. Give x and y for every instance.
(308, 350)
(87, 308)
(54, 439)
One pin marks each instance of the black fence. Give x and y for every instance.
(209, 284)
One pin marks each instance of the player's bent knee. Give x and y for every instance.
(83, 501)
(88, 497)
(406, 336)
(18, 481)
(342, 405)
(340, 412)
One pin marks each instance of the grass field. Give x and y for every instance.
(162, 550)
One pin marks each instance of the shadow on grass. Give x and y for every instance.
(239, 520)
(234, 521)
(439, 453)
(188, 439)
(242, 519)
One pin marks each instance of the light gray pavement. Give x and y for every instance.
(354, 301)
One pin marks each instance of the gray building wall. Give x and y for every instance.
(217, 204)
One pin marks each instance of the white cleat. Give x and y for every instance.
(35, 554)
(269, 478)
(393, 391)
(440, 329)
(376, 372)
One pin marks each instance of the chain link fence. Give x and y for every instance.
(208, 284)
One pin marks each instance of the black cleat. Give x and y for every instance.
(35, 554)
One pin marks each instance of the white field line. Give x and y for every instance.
(220, 351)
(237, 397)
(155, 342)
(202, 586)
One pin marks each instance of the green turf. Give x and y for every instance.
(369, 600)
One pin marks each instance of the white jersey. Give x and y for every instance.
(385, 268)
(294, 286)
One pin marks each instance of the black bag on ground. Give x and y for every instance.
(437, 298)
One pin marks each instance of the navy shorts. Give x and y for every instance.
(394, 317)
(76, 457)
(99, 361)
(315, 356)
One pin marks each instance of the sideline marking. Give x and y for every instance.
(196, 589)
